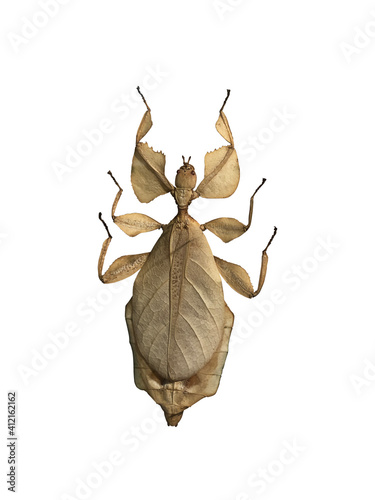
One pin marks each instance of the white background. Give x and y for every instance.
(299, 372)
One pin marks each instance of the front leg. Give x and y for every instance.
(121, 268)
(227, 228)
(238, 279)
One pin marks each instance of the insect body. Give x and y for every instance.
(179, 324)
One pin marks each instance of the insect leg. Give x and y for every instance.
(238, 279)
(118, 195)
(227, 228)
(132, 224)
(252, 205)
(121, 268)
(222, 171)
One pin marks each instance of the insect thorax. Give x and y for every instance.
(183, 197)
(185, 183)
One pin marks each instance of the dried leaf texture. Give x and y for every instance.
(179, 325)
(121, 268)
(175, 397)
(222, 171)
(222, 126)
(134, 224)
(226, 228)
(147, 176)
(144, 126)
(236, 277)
(178, 303)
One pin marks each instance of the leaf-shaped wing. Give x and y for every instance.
(147, 175)
(178, 304)
(222, 171)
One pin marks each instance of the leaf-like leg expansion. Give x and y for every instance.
(238, 279)
(132, 224)
(147, 177)
(176, 397)
(121, 268)
(221, 171)
(227, 228)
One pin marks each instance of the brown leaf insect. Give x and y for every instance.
(179, 324)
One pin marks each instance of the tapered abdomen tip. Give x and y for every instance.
(173, 419)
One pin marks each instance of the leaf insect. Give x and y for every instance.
(179, 324)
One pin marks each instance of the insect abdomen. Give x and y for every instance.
(178, 303)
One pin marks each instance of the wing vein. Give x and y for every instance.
(151, 298)
(208, 310)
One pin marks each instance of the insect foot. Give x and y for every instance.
(178, 322)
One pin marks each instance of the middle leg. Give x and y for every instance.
(227, 228)
(132, 224)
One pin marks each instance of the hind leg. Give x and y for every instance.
(176, 397)
(237, 277)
